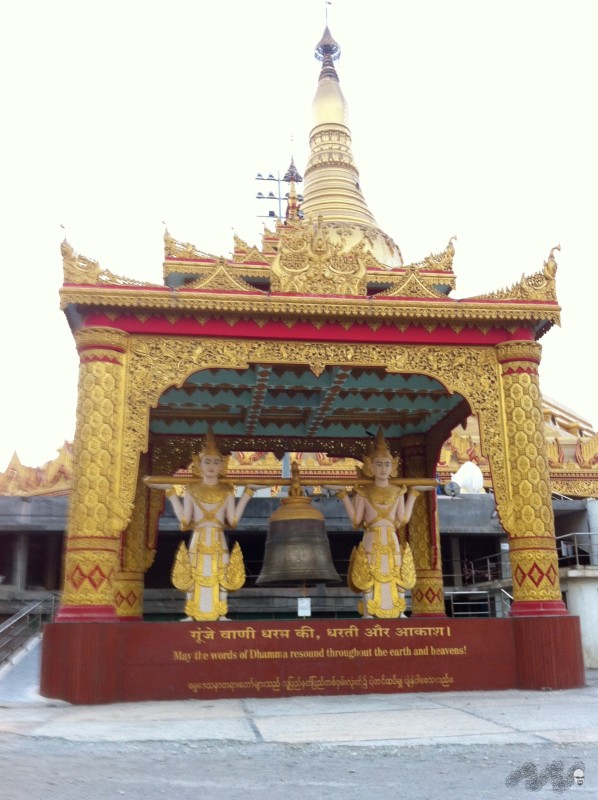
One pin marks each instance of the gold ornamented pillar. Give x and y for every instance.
(138, 548)
(525, 507)
(427, 596)
(97, 515)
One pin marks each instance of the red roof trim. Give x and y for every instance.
(305, 331)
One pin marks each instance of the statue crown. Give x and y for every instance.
(379, 449)
(209, 448)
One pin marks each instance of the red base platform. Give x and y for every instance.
(108, 662)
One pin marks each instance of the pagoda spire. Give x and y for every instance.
(292, 173)
(293, 210)
(292, 177)
(331, 188)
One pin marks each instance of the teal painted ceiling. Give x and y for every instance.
(280, 401)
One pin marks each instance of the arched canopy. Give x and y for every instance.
(282, 407)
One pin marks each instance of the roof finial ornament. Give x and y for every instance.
(327, 51)
(550, 265)
(292, 177)
(292, 174)
(327, 47)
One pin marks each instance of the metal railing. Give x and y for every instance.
(26, 623)
(464, 602)
(487, 568)
(505, 603)
(578, 550)
(469, 603)
(574, 550)
(475, 572)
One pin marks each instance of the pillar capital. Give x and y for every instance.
(101, 345)
(527, 353)
(102, 339)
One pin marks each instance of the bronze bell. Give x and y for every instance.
(297, 547)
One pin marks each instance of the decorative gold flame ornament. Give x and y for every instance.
(311, 261)
(233, 577)
(364, 577)
(181, 575)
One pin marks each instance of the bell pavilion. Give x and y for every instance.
(311, 343)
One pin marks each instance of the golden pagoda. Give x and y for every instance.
(308, 345)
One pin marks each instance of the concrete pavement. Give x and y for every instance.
(507, 717)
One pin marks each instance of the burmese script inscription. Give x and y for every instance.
(236, 659)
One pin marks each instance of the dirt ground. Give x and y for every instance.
(54, 769)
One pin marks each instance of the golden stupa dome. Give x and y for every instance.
(331, 193)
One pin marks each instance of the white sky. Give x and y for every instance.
(468, 117)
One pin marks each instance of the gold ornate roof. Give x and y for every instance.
(53, 478)
(313, 278)
(539, 286)
(571, 445)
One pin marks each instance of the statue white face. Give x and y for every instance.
(210, 467)
(382, 467)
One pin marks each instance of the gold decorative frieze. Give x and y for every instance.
(541, 286)
(555, 454)
(79, 269)
(404, 311)
(586, 452)
(53, 478)
(156, 363)
(575, 486)
(463, 448)
(412, 285)
(328, 266)
(221, 278)
(318, 259)
(244, 253)
(438, 262)
(186, 251)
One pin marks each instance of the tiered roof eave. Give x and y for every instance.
(197, 283)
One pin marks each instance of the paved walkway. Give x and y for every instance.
(508, 717)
